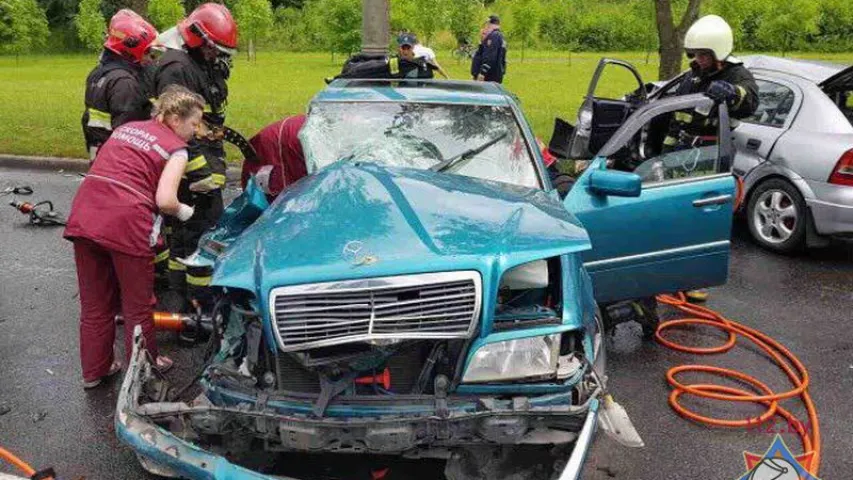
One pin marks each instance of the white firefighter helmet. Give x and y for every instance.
(713, 33)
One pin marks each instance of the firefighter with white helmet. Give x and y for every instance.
(716, 73)
(719, 75)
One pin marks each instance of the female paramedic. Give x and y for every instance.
(114, 222)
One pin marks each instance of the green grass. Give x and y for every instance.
(41, 97)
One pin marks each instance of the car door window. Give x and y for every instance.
(657, 161)
(775, 102)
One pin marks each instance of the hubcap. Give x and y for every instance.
(775, 217)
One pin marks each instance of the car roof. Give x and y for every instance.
(811, 70)
(415, 91)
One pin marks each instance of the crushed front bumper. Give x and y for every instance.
(163, 453)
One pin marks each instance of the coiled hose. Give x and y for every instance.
(786, 360)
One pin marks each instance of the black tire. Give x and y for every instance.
(767, 230)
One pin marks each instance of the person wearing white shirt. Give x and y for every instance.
(427, 54)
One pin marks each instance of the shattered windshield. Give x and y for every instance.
(472, 140)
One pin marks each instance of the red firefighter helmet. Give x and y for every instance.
(130, 35)
(212, 24)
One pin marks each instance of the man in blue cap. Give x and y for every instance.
(489, 63)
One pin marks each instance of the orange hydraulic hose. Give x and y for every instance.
(786, 360)
(17, 462)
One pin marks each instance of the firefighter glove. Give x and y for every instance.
(722, 91)
(185, 212)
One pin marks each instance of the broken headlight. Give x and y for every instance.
(523, 358)
(529, 295)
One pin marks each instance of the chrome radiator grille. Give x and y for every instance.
(431, 305)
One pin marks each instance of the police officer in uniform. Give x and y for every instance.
(489, 62)
(198, 57)
(719, 75)
(114, 91)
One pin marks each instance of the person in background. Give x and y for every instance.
(114, 91)
(420, 51)
(409, 64)
(114, 223)
(280, 160)
(489, 62)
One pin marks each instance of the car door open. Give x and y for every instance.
(663, 225)
(600, 118)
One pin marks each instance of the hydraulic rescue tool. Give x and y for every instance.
(179, 322)
(41, 213)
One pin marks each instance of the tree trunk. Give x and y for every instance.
(376, 26)
(671, 37)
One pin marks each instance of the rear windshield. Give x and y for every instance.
(845, 103)
(840, 89)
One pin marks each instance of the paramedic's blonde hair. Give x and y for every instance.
(177, 100)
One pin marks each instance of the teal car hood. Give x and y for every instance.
(352, 220)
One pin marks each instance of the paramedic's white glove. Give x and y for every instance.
(185, 212)
(204, 185)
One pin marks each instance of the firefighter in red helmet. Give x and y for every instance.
(114, 89)
(198, 57)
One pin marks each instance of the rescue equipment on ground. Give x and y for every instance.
(787, 361)
(19, 190)
(41, 213)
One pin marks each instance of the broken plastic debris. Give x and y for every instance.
(614, 420)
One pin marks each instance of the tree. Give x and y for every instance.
(255, 20)
(23, 26)
(671, 36)
(91, 24)
(165, 14)
(110, 7)
(341, 25)
(525, 18)
(790, 22)
(430, 17)
(462, 18)
(835, 24)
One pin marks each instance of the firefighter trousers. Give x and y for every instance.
(183, 241)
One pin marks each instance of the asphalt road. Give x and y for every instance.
(804, 302)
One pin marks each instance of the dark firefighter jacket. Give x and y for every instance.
(369, 66)
(689, 124)
(115, 95)
(177, 67)
(490, 58)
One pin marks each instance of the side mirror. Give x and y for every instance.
(615, 183)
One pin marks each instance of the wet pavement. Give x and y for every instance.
(804, 302)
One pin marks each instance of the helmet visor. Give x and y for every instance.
(696, 52)
(196, 30)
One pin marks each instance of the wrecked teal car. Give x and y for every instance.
(425, 293)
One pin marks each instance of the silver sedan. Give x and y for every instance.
(795, 154)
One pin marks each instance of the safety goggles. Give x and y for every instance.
(691, 54)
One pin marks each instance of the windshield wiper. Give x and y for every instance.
(466, 155)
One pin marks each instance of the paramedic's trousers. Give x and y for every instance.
(111, 283)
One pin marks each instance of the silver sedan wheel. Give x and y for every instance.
(775, 216)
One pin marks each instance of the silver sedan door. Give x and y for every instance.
(755, 136)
